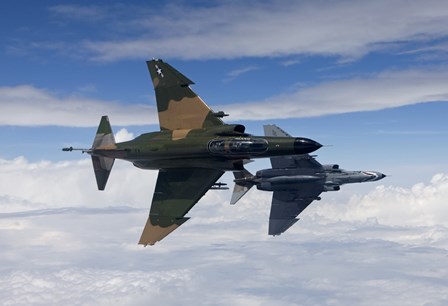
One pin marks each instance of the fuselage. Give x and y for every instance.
(203, 148)
(347, 177)
(295, 178)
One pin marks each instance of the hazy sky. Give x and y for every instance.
(366, 78)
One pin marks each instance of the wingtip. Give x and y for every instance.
(153, 233)
(279, 226)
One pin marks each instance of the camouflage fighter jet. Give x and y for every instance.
(296, 181)
(192, 150)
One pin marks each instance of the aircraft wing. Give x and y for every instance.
(274, 131)
(176, 192)
(178, 106)
(287, 205)
(302, 161)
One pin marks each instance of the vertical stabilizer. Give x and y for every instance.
(104, 140)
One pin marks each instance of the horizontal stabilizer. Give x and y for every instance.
(153, 233)
(278, 226)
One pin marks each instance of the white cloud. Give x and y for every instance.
(348, 29)
(87, 286)
(99, 263)
(32, 106)
(421, 205)
(36, 186)
(375, 92)
(123, 135)
(237, 72)
(26, 105)
(27, 186)
(64, 242)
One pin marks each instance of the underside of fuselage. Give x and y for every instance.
(211, 163)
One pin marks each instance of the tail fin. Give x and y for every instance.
(104, 140)
(242, 185)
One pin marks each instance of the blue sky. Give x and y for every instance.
(366, 78)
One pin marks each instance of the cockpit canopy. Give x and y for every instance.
(238, 146)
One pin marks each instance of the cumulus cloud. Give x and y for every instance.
(37, 186)
(123, 135)
(349, 29)
(423, 204)
(367, 250)
(26, 185)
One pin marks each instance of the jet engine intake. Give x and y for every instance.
(331, 167)
(267, 186)
(228, 130)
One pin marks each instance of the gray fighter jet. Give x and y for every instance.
(296, 181)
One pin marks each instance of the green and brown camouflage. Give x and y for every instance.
(179, 107)
(104, 140)
(192, 150)
(202, 149)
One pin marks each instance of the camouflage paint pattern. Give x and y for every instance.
(104, 140)
(179, 107)
(192, 150)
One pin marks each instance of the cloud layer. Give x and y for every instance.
(388, 244)
(22, 182)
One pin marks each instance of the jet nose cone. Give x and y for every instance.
(305, 145)
(379, 176)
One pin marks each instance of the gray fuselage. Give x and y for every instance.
(329, 179)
